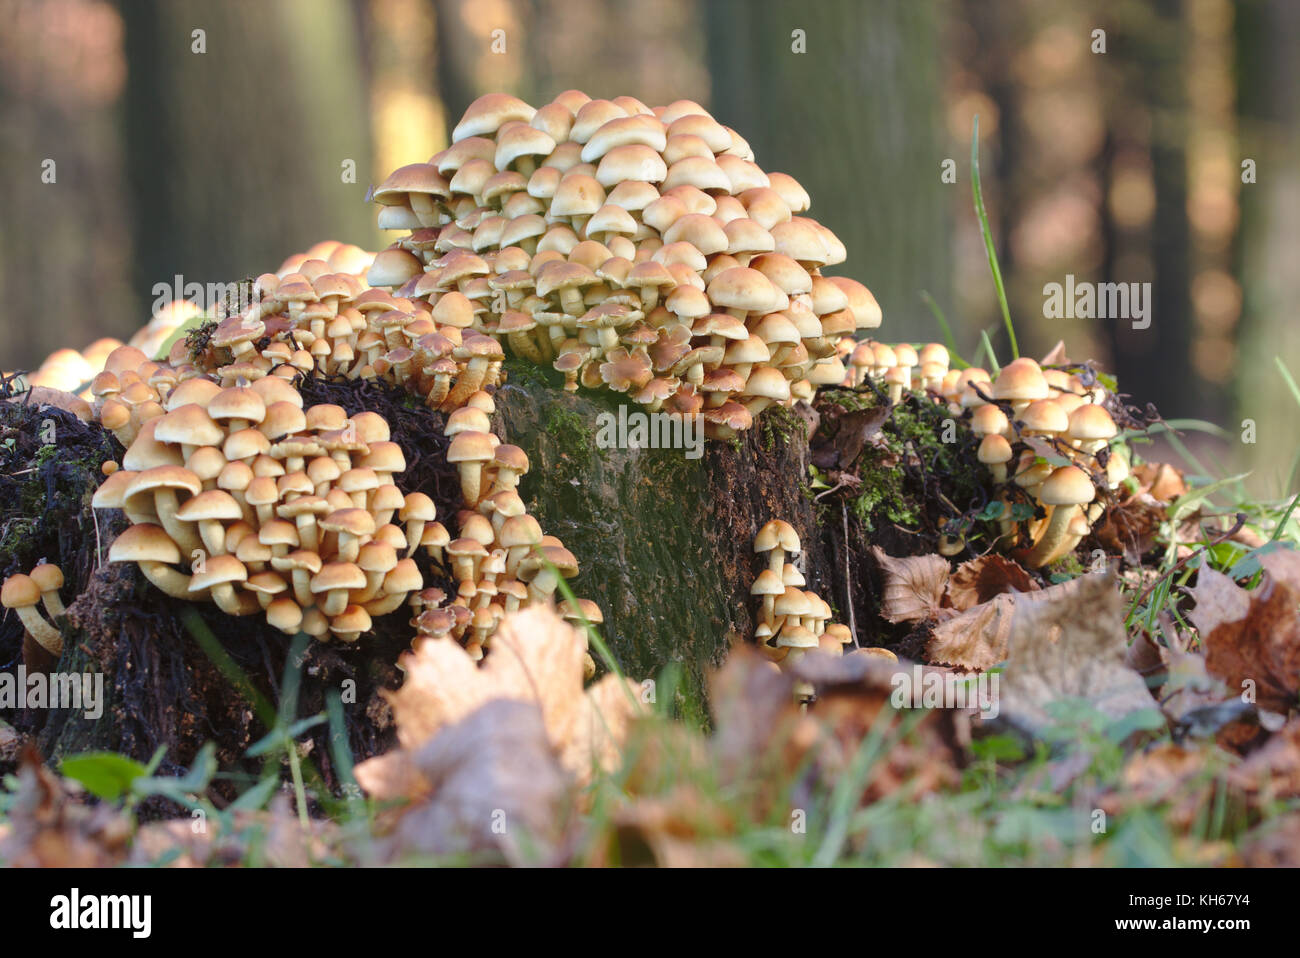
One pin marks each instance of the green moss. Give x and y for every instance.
(777, 424)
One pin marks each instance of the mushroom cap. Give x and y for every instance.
(777, 533)
(189, 424)
(284, 614)
(489, 113)
(767, 583)
(520, 530)
(988, 419)
(1020, 380)
(471, 446)
(357, 522)
(994, 448)
(743, 288)
(418, 507)
(218, 570)
(212, 504)
(19, 592)
(165, 477)
(1067, 486)
(48, 577)
(144, 542)
(237, 402)
(1044, 415)
(403, 577)
(768, 383)
(338, 575)
(1091, 422)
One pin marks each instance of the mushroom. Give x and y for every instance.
(149, 547)
(1063, 492)
(22, 595)
(777, 538)
(49, 579)
(469, 451)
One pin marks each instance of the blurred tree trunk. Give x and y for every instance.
(1269, 105)
(856, 119)
(65, 238)
(238, 153)
(1155, 362)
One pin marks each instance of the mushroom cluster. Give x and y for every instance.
(636, 249)
(241, 497)
(792, 620)
(501, 561)
(899, 367)
(1048, 433)
(25, 593)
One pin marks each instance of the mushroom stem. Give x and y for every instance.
(46, 635)
(1053, 536)
(182, 533)
(234, 603)
(175, 584)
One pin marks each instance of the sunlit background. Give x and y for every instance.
(1124, 165)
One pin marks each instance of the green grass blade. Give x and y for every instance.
(988, 236)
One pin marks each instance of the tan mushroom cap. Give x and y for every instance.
(777, 534)
(144, 542)
(1068, 485)
(1020, 380)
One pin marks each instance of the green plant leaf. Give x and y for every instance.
(105, 775)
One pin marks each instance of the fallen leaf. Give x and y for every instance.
(1218, 600)
(1068, 642)
(1260, 650)
(914, 586)
(855, 429)
(51, 826)
(1160, 481)
(1272, 773)
(979, 580)
(536, 657)
(978, 639)
(496, 790)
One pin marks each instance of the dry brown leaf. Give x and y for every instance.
(1274, 844)
(392, 775)
(979, 580)
(52, 827)
(1131, 526)
(276, 833)
(496, 790)
(1261, 648)
(977, 639)
(536, 657)
(600, 726)
(1160, 481)
(1218, 600)
(684, 828)
(1283, 564)
(1272, 773)
(914, 586)
(1164, 773)
(1068, 642)
(759, 726)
